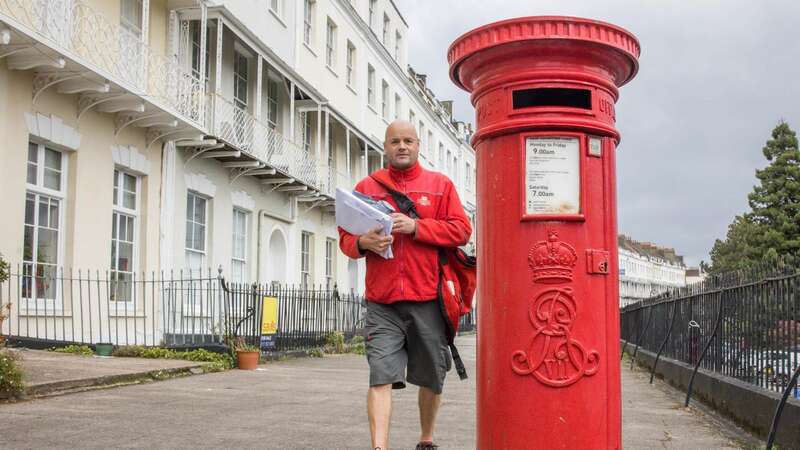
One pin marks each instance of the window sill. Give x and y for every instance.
(277, 17)
(352, 90)
(308, 47)
(333, 72)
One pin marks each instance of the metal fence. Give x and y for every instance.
(305, 315)
(54, 305)
(743, 325)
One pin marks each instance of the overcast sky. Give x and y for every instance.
(715, 77)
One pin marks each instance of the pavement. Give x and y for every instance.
(50, 373)
(313, 403)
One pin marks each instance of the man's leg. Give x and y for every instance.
(429, 402)
(379, 409)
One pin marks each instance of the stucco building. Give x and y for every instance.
(646, 270)
(191, 135)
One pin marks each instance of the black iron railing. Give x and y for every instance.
(89, 307)
(306, 316)
(743, 325)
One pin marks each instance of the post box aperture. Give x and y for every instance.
(544, 90)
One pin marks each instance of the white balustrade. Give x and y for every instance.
(76, 30)
(240, 129)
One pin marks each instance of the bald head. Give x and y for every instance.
(401, 144)
(400, 125)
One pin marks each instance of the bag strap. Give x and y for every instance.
(405, 204)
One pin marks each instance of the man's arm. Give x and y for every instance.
(452, 230)
(349, 244)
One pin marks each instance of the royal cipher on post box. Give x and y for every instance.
(544, 90)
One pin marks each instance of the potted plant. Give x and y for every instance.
(246, 355)
(103, 348)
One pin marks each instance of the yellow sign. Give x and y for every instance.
(269, 316)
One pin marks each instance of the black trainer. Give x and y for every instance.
(426, 446)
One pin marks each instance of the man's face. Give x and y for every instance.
(401, 145)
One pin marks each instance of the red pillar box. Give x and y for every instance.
(544, 90)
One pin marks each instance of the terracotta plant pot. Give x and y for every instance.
(247, 360)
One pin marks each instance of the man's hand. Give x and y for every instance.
(403, 224)
(374, 241)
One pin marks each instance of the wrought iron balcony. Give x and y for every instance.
(90, 39)
(244, 132)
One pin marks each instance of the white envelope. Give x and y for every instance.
(357, 217)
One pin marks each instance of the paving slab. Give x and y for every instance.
(308, 403)
(47, 372)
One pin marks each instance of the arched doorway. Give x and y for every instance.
(276, 258)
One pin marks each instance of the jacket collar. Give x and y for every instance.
(407, 174)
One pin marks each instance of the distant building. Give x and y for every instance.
(695, 275)
(645, 270)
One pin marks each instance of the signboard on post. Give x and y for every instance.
(269, 322)
(552, 175)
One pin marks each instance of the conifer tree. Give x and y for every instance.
(775, 202)
(772, 227)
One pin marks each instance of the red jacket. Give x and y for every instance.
(413, 273)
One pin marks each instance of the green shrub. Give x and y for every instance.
(358, 346)
(316, 352)
(334, 342)
(10, 374)
(83, 350)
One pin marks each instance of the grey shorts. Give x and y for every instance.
(407, 335)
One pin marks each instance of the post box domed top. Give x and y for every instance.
(540, 29)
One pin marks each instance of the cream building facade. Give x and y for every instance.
(188, 135)
(646, 270)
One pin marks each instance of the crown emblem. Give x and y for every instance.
(552, 261)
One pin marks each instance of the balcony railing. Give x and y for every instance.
(243, 131)
(91, 39)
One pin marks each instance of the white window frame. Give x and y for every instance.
(38, 190)
(372, 4)
(398, 106)
(387, 23)
(276, 7)
(370, 85)
(203, 253)
(330, 262)
(131, 26)
(305, 125)
(398, 39)
(240, 103)
(384, 99)
(306, 260)
(272, 103)
(330, 44)
(195, 32)
(309, 11)
(468, 172)
(351, 63)
(119, 211)
(242, 216)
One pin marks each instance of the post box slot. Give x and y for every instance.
(565, 97)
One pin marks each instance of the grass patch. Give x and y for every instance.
(218, 362)
(83, 350)
(11, 383)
